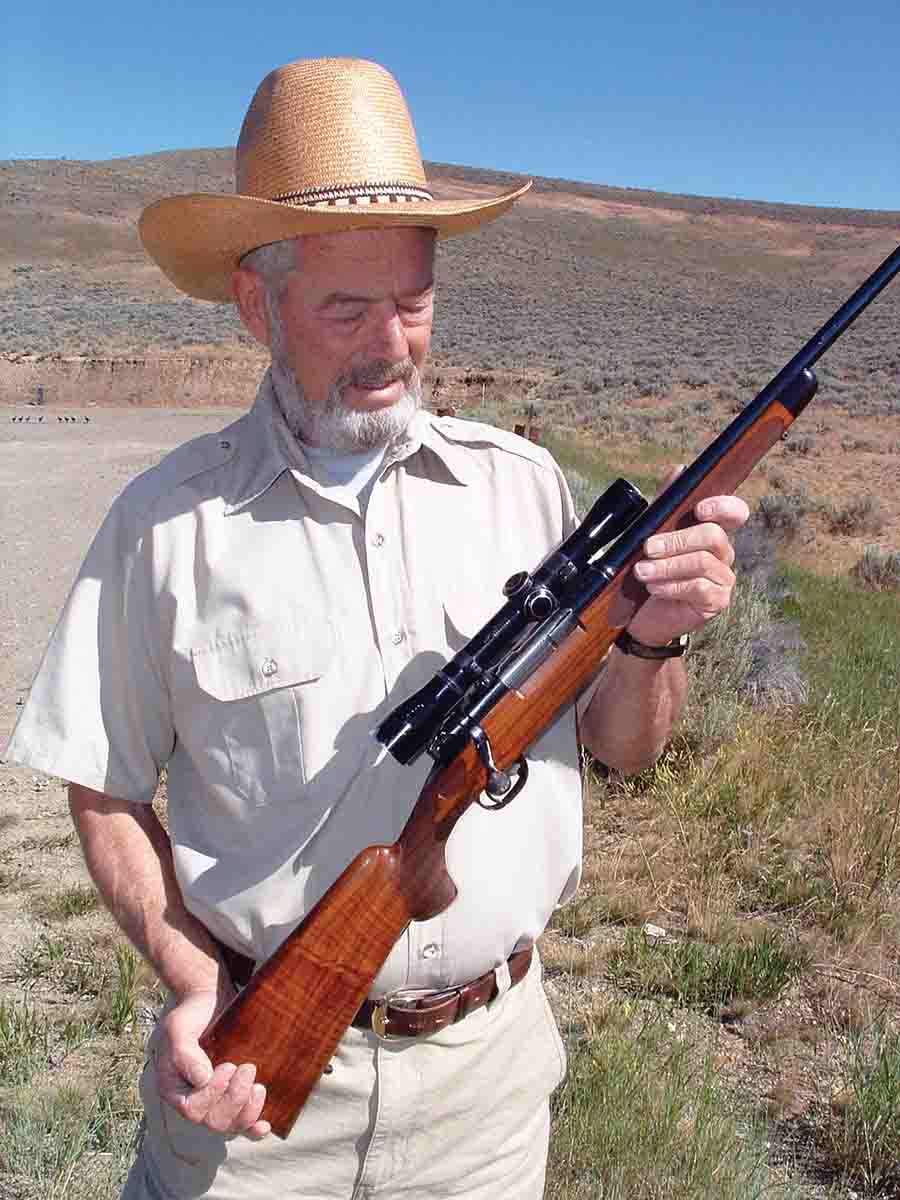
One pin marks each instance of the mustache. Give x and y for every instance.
(380, 373)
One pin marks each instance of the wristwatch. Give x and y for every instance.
(674, 649)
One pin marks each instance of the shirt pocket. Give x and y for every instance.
(262, 685)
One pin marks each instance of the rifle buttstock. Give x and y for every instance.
(295, 1009)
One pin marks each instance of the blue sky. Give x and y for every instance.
(791, 100)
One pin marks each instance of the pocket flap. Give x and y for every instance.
(261, 659)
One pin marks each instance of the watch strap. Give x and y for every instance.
(674, 649)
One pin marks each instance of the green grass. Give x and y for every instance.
(116, 1009)
(853, 636)
(25, 1037)
(65, 1145)
(589, 469)
(704, 976)
(644, 1117)
(89, 968)
(73, 901)
(864, 1141)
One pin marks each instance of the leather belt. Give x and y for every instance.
(409, 1014)
(418, 1014)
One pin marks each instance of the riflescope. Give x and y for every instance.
(531, 597)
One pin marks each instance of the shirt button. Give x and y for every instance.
(378, 539)
(398, 637)
(432, 950)
(270, 668)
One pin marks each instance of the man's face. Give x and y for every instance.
(354, 329)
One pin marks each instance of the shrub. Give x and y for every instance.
(745, 656)
(754, 558)
(878, 570)
(654, 385)
(584, 492)
(782, 513)
(802, 445)
(862, 515)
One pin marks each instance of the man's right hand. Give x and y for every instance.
(226, 1100)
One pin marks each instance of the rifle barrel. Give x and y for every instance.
(843, 318)
(793, 387)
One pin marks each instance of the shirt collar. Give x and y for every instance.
(425, 432)
(266, 449)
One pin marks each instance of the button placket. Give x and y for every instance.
(384, 578)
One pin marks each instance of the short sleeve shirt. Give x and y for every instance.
(246, 628)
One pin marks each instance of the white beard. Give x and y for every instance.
(334, 425)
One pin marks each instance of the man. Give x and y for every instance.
(255, 604)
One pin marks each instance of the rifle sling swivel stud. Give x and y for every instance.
(501, 787)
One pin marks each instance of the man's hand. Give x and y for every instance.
(688, 572)
(226, 1100)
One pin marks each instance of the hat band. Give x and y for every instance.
(366, 193)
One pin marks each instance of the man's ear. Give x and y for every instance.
(249, 294)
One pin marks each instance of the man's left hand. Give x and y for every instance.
(688, 572)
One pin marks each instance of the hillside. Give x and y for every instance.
(644, 290)
(632, 317)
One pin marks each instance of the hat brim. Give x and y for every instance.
(198, 240)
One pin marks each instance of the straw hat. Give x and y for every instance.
(327, 145)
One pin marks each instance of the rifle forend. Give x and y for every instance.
(530, 662)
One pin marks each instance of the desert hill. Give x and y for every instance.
(627, 292)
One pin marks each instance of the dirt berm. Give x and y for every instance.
(162, 382)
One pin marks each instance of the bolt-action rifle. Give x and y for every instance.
(476, 719)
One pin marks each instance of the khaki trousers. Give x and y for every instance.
(463, 1113)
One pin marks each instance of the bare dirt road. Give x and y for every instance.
(57, 479)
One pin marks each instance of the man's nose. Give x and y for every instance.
(388, 338)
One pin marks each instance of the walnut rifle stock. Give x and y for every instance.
(296, 1007)
(497, 699)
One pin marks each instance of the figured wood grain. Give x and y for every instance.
(295, 1009)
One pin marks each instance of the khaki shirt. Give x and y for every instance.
(247, 628)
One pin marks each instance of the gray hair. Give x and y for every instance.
(272, 263)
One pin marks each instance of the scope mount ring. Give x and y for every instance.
(501, 787)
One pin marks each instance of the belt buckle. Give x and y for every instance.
(379, 1021)
(402, 997)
